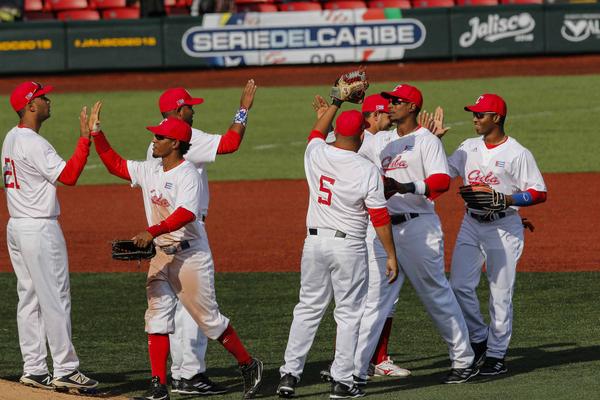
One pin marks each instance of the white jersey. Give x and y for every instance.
(164, 192)
(508, 168)
(408, 158)
(342, 186)
(203, 150)
(30, 167)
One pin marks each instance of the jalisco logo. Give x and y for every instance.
(476, 176)
(230, 40)
(579, 27)
(497, 28)
(390, 164)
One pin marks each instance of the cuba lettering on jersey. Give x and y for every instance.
(30, 168)
(409, 158)
(203, 150)
(164, 192)
(342, 186)
(508, 168)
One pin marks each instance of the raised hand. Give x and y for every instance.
(320, 106)
(84, 130)
(248, 95)
(426, 120)
(438, 118)
(94, 121)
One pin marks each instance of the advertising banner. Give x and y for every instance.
(26, 47)
(116, 44)
(573, 29)
(492, 31)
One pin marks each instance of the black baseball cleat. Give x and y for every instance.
(43, 381)
(74, 380)
(325, 374)
(479, 349)
(175, 385)
(493, 366)
(200, 384)
(287, 386)
(358, 381)
(252, 375)
(460, 375)
(341, 391)
(156, 391)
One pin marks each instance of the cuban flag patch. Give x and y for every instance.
(168, 185)
(500, 164)
(409, 147)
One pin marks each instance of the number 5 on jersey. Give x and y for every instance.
(10, 175)
(325, 188)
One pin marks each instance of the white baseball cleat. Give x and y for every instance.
(388, 368)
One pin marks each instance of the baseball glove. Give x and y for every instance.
(350, 87)
(126, 250)
(482, 197)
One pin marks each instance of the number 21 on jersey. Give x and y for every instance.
(325, 184)
(10, 175)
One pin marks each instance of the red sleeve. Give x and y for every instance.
(315, 134)
(229, 143)
(379, 216)
(74, 167)
(538, 197)
(115, 164)
(178, 219)
(437, 184)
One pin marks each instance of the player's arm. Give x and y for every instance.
(383, 228)
(231, 141)
(528, 173)
(177, 220)
(114, 163)
(74, 166)
(325, 120)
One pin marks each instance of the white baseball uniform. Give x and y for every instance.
(188, 344)
(342, 186)
(419, 247)
(38, 252)
(187, 275)
(508, 168)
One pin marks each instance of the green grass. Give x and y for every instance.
(552, 116)
(554, 353)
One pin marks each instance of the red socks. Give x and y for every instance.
(381, 351)
(232, 343)
(158, 350)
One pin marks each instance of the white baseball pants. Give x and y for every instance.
(38, 254)
(331, 267)
(499, 244)
(188, 346)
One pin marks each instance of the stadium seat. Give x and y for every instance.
(106, 4)
(253, 1)
(344, 5)
(256, 7)
(61, 5)
(78, 15)
(432, 3)
(38, 16)
(389, 4)
(300, 6)
(121, 13)
(476, 2)
(522, 2)
(33, 5)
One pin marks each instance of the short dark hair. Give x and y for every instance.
(21, 112)
(367, 114)
(184, 147)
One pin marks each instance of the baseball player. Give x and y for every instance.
(416, 172)
(188, 343)
(495, 238)
(183, 266)
(36, 245)
(344, 189)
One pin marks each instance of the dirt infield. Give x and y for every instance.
(260, 225)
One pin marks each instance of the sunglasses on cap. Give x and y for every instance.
(481, 115)
(38, 87)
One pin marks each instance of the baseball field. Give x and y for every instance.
(256, 226)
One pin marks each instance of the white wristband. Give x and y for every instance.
(420, 187)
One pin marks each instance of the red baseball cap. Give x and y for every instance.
(489, 102)
(406, 93)
(350, 123)
(173, 128)
(174, 98)
(376, 102)
(26, 92)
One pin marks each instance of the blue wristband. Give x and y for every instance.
(522, 199)
(241, 117)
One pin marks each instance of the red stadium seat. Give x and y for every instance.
(476, 2)
(253, 1)
(38, 16)
(78, 15)
(432, 3)
(177, 10)
(389, 4)
(344, 5)
(106, 4)
(33, 5)
(300, 6)
(256, 7)
(522, 2)
(121, 13)
(60, 5)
